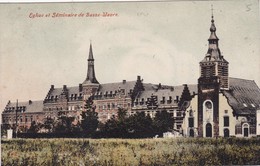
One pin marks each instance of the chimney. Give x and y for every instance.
(64, 87)
(138, 77)
(30, 102)
(172, 88)
(124, 81)
(52, 86)
(159, 86)
(80, 87)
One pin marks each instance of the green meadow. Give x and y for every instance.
(119, 152)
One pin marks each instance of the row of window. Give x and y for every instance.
(226, 121)
(111, 93)
(163, 101)
(19, 109)
(19, 119)
(71, 97)
(111, 106)
(76, 107)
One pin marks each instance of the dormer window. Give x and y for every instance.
(142, 101)
(136, 101)
(245, 105)
(253, 105)
(163, 100)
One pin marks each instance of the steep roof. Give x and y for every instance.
(27, 107)
(115, 86)
(103, 88)
(243, 96)
(167, 92)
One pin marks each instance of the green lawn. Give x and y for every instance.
(181, 151)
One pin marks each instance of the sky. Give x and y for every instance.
(163, 42)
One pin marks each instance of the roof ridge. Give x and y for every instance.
(27, 101)
(241, 79)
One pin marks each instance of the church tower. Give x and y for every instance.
(213, 79)
(90, 85)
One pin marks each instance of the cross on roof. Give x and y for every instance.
(212, 11)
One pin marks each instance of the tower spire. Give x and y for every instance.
(214, 64)
(91, 78)
(213, 52)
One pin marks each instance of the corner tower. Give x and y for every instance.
(213, 79)
(90, 85)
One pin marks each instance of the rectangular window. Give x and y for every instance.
(191, 122)
(226, 121)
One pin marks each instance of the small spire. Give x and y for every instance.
(90, 57)
(91, 78)
(212, 27)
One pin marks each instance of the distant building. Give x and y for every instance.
(23, 113)
(217, 106)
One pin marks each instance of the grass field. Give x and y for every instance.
(182, 151)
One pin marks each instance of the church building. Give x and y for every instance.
(223, 106)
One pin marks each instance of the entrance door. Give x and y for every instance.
(226, 132)
(245, 132)
(208, 130)
(191, 133)
(246, 129)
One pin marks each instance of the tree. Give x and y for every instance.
(89, 122)
(35, 127)
(162, 122)
(116, 127)
(64, 124)
(49, 124)
(140, 125)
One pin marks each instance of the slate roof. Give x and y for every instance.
(27, 107)
(243, 96)
(172, 92)
(115, 86)
(103, 88)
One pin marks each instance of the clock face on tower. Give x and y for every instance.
(208, 104)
